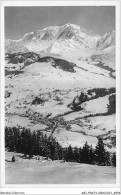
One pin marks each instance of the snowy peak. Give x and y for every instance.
(71, 26)
(68, 31)
(27, 37)
(107, 40)
(46, 34)
(52, 33)
(68, 36)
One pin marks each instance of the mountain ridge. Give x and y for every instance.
(69, 34)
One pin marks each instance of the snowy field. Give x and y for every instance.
(25, 171)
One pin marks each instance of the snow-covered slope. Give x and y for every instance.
(55, 172)
(105, 58)
(15, 46)
(52, 80)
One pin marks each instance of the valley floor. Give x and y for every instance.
(42, 171)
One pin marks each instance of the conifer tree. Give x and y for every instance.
(107, 159)
(55, 156)
(70, 154)
(112, 104)
(113, 160)
(80, 155)
(11, 141)
(100, 153)
(65, 154)
(39, 143)
(76, 156)
(85, 153)
(91, 155)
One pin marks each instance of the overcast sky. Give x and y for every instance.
(21, 20)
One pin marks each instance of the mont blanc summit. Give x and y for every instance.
(70, 36)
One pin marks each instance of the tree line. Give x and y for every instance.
(31, 143)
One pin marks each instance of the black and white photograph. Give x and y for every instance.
(60, 95)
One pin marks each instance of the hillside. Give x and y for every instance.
(40, 92)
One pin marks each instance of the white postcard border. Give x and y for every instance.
(63, 188)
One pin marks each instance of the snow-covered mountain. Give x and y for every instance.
(68, 37)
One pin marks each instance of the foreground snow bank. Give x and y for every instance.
(25, 171)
